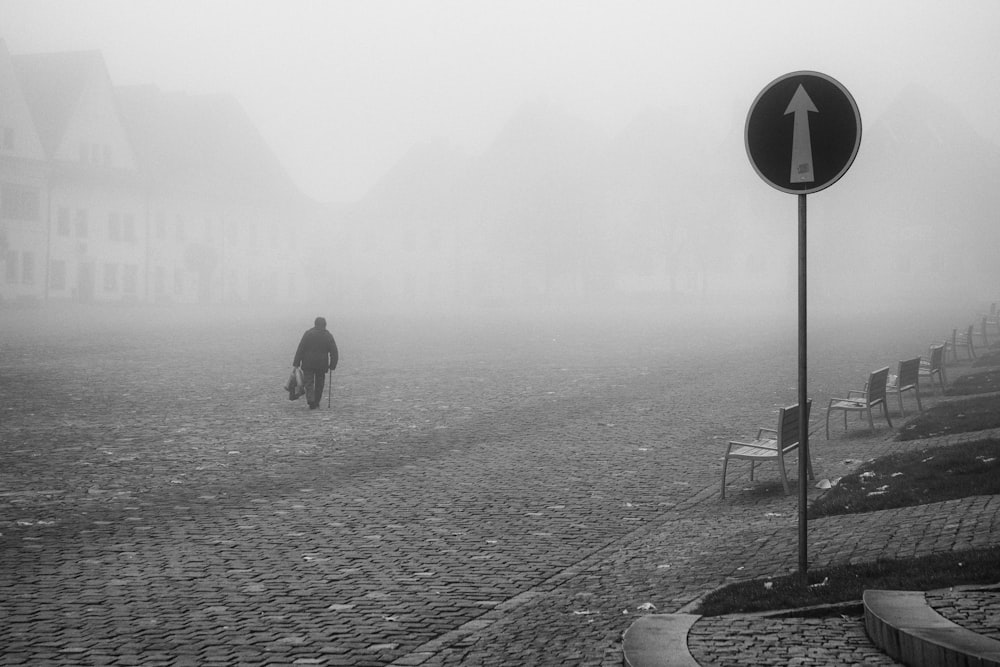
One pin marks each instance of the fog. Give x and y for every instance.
(556, 283)
(494, 156)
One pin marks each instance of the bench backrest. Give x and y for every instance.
(909, 373)
(876, 385)
(937, 356)
(788, 424)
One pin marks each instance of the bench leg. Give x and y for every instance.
(725, 464)
(784, 476)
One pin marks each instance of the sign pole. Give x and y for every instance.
(803, 422)
(805, 155)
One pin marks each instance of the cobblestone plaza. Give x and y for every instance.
(516, 492)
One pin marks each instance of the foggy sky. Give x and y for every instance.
(341, 90)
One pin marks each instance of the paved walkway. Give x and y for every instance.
(161, 502)
(900, 533)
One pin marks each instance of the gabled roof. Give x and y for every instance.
(200, 143)
(52, 84)
(190, 143)
(15, 112)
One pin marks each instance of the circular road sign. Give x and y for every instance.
(803, 132)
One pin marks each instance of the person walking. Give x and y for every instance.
(317, 353)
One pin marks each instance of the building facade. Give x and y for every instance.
(129, 194)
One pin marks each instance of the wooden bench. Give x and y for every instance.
(934, 365)
(907, 378)
(863, 401)
(770, 445)
(963, 340)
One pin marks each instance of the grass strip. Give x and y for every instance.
(932, 474)
(848, 582)
(975, 383)
(962, 416)
(917, 477)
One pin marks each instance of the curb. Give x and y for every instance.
(906, 628)
(659, 640)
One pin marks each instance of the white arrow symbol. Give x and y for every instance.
(802, 155)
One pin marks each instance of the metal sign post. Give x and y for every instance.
(802, 134)
(803, 422)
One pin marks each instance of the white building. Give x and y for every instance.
(134, 195)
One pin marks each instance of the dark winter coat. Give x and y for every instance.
(317, 351)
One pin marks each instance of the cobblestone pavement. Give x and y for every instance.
(508, 494)
(783, 641)
(840, 640)
(977, 610)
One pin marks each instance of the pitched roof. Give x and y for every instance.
(16, 112)
(202, 143)
(52, 84)
(191, 143)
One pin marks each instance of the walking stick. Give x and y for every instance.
(329, 386)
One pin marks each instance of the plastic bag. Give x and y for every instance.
(296, 385)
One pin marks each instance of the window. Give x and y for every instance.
(114, 226)
(28, 268)
(110, 277)
(107, 155)
(161, 226)
(178, 281)
(95, 153)
(18, 202)
(179, 228)
(8, 138)
(84, 152)
(57, 274)
(130, 278)
(128, 228)
(81, 223)
(12, 266)
(62, 221)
